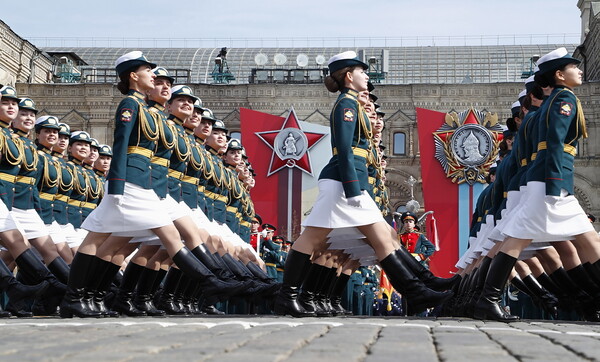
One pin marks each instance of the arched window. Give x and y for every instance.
(236, 135)
(399, 143)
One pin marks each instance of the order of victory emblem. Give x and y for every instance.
(467, 145)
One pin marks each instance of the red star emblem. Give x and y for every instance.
(290, 145)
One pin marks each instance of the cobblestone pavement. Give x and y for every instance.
(268, 338)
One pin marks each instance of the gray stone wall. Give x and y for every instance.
(21, 61)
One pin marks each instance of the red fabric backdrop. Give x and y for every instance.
(439, 193)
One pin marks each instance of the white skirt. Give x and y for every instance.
(71, 235)
(331, 210)
(7, 221)
(79, 235)
(56, 233)
(353, 243)
(140, 209)
(513, 199)
(31, 222)
(203, 222)
(548, 218)
(175, 211)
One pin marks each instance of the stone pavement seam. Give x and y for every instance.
(565, 346)
(301, 345)
(508, 351)
(371, 343)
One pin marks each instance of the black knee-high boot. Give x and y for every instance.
(581, 277)
(17, 292)
(336, 294)
(471, 295)
(418, 296)
(211, 285)
(73, 303)
(461, 295)
(256, 287)
(124, 299)
(48, 306)
(488, 306)
(425, 275)
(166, 299)
(270, 286)
(260, 274)
(593, 272)
(584, 302)
(322, 300)
(541, 296)
(182, 287)
(483, 269)
(143, 295)
(518, 283)
(204, 255)
(105, 274)
(60, 269)
(162, 273)
(296, 266)
(35, 270)
(546, 282)
(307, 297)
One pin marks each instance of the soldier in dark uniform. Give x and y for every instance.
(273, 258)
(550, 184)
(343, 200)
(102, 164)
(46, 129)
(131, 204)
(65, 187)
(26, 198)
(11, 238)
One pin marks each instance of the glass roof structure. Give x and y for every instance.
(404, 65)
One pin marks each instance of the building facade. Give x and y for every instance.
(89, 102)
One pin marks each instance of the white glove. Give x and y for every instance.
(354, 201)
(263, 234)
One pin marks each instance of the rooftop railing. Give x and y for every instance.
(308, 42)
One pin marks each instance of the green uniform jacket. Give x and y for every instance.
(65, 187)
(527, 139)
(348, 125)
(179, 159)
(164, 148)
(559, 132)
(190, 189)
(26, 195)
(78, 192)
(134, 127)
(47, 183)
(10, 163)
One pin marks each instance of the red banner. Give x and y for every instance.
(265, 193)
(439, 194)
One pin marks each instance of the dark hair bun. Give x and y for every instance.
(331, 84)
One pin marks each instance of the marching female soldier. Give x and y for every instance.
(26, 196)
(343, 200)
(46, 129)
(550, 211)
(10, 161)
(131, 204)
